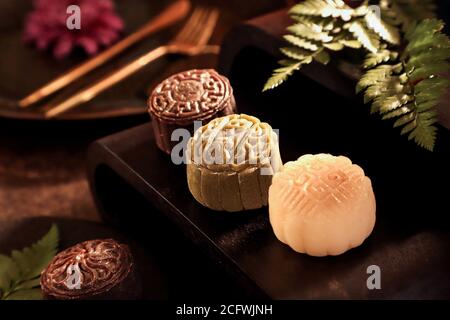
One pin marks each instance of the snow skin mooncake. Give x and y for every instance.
(322, 205)
(231, 161)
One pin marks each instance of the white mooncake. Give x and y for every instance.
(231, 161)
(322, 205)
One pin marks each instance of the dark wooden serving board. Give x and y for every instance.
(313, 112)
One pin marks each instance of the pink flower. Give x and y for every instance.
(46, 26)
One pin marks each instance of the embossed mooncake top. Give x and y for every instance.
(314, 181)
(96, 265)
(322, 205)
(191, 95)
(234, 142)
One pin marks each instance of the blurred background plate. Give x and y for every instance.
(24, 69)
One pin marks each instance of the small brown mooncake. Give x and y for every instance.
(231, 161)
(322, 205)
(194, 95)
(92, 270)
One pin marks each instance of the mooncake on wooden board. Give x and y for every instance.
(322, 205)
(231, 161)
(193, 95)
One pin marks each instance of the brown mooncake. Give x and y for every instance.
(92, 270)
(194, 95)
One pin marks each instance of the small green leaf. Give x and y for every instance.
(409, 127)
(32, 260)
(424, 72)
(438, 84)
(365, 36)
(427, 57)
(29, 284)
(28, 294)
(334, 46)
(396, 113)
(281, 74)
(384, 30)
(393, 102)
(374, 59)
(310, 33)
(425, 132)
(427, 105)
(301, 43)
(310, 7)
(405, 12)
(354, 44)
(20, 273)
(322, 57)
(296, 53)
(8, 274)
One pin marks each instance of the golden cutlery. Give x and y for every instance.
(169, 16)
(191, 40)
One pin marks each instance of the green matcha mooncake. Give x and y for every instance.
(231, 161)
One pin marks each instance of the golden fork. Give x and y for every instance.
(169, 16)
(191, 40)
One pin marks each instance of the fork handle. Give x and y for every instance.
(95, 89)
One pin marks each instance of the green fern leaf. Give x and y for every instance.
(424, 133)
(301, 43)
(8, 274)
(428, 57)
(328, 8)
(382, 56)
(354, 44)
(410, 90)
(432, 83)
(397, 113)
(390, 103)
(334, 46)
(425, 71)
(322, 57)
(28, 294)
(404, 13)
(410, 126)
(372, 77)
(295, 53)
(384, 30)
(20, 273)
(366, 37)
(310, 7)
(310, 33)
(32, 260)
(407, 118)
(317, 23)
(281, 74)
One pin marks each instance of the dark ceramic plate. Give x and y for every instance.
(24, 69)
(17, 234)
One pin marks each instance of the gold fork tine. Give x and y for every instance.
(192, 21)
(173, 13)
(196, 35)
(191, 40)
(209, 27)
(195, 28)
